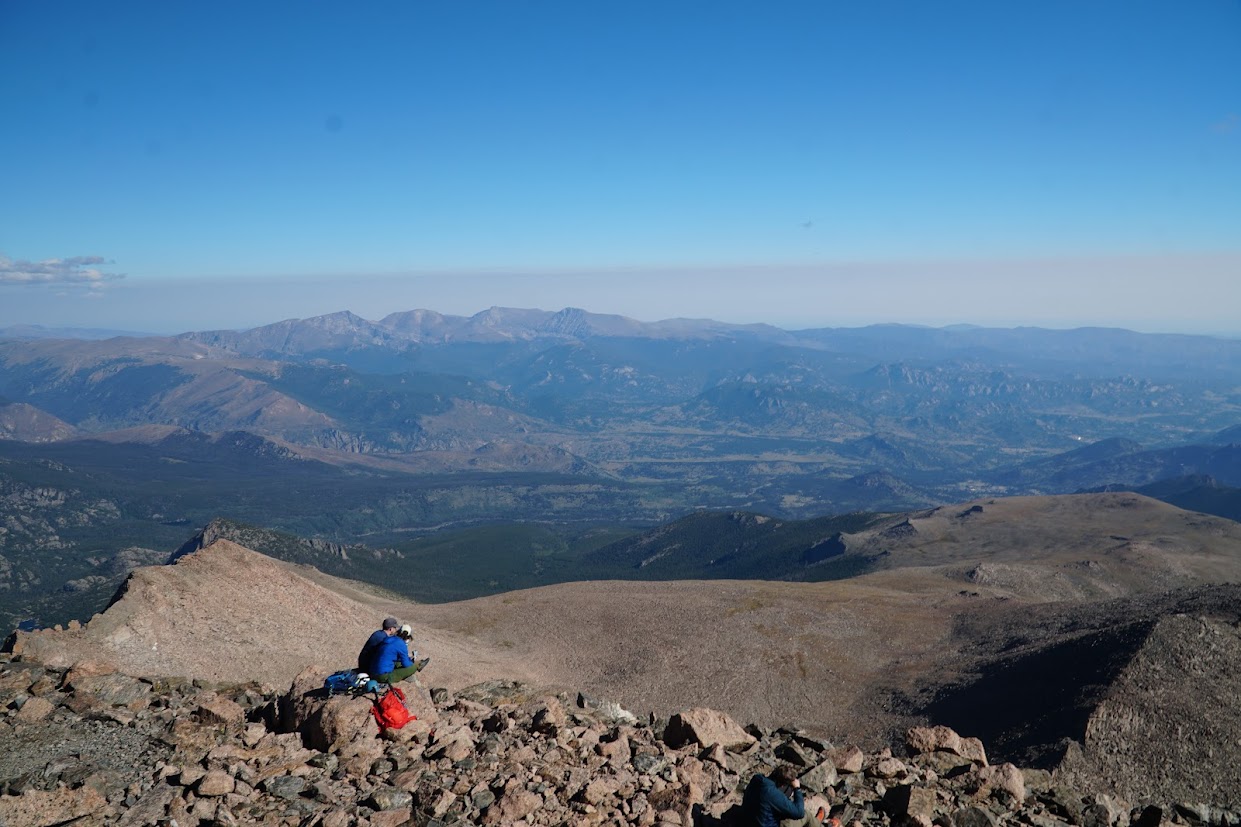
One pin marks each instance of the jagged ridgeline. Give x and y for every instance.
(1002, 538)
(455, 565)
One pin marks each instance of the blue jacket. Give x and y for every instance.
(765, 805)
(366, 658)
(392, 653)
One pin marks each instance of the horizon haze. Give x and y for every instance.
(814, 165)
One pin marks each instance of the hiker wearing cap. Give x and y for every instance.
(366, 658)
(392, 661)
(776, 801)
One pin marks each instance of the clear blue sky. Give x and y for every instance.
(176, 165)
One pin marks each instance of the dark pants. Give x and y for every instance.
(397, 675)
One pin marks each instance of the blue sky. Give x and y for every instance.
(173, 165)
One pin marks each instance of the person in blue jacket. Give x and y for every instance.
(392, 662)
(770, 799)
(366, 657)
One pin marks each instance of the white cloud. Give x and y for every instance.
(78, 270)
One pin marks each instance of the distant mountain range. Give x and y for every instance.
(353, 430)
(34, 331)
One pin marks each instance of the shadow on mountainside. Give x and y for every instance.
(1040, 672)
(1027, 707)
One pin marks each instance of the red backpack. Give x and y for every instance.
(390, 711)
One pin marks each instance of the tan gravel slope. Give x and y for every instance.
(768, 652)
(229, 614)
(1076, 547)
(832, 656)
(772, 653)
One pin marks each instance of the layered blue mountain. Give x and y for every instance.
(353, 430)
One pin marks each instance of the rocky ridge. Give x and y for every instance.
(29, 424)
(1137, 697)
(89, 746)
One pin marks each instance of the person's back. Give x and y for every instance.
(764, 804)
(392, 654)
(366, 657)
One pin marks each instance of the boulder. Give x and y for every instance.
(974, 817)
(389, 818)
(289, 787)
(453, 744)
(847, 759)
(418, 701)
(972, 749)
(149, 808)
(215, 783)
(1150, 816)
(549, 717)
(205, 811)
(1001, 778)
(617, 751)
(34, 710)
(1065, 802)
(819, 778)
(917, 803)
(19, 677)
(86, 669)
(221, 712)
(390, 798)
(706, 727)
(514, 805)
(113, 689)
(190, 775)
(600, 789)
(1102, 810)
(331, 724)
(649, 763)
(922, 739)
(888, 768)
(702, 776)
(59, 806)
(791, 752)
(679, 800)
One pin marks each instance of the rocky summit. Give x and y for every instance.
(86, 746)
(1134, 698)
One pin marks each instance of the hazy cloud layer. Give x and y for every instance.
(76, 270)
(1166, 293)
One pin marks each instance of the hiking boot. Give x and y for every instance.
(421, 664)
(819, 815)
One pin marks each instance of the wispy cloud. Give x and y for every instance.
(78, 270)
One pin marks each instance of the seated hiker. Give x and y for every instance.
(776, 799)
(366, 658)
(392, 662)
